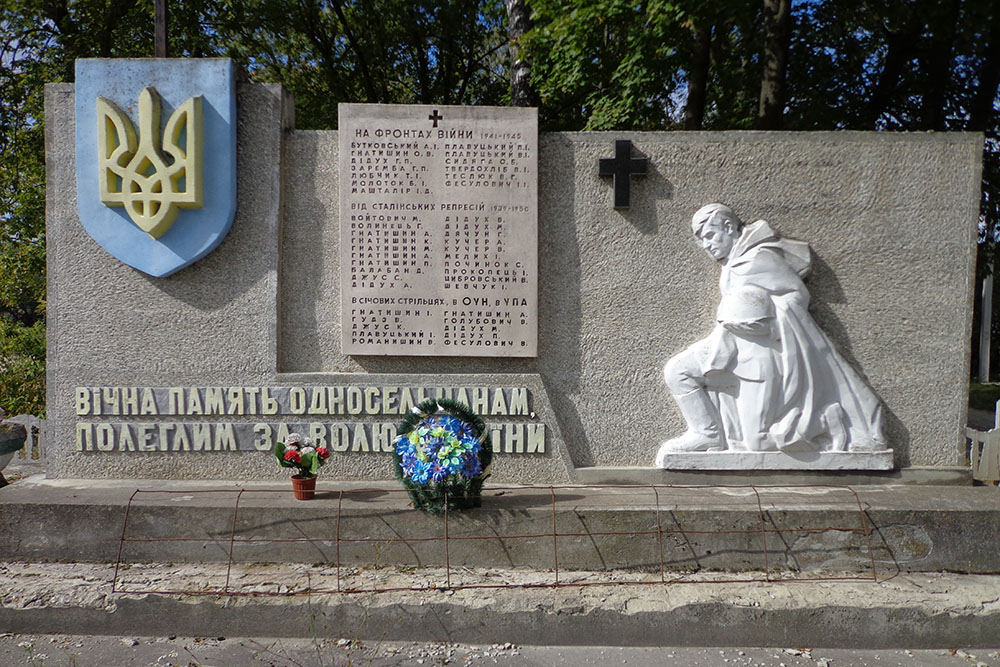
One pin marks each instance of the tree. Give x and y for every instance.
(325, 51)
(522, 93)
(613, 64)
(606, 64)
(904, 66)
(40, 42)
(777, 14)
(595, 65)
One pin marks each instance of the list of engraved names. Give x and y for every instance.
(438, 230)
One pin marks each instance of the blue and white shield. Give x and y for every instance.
(156, 158)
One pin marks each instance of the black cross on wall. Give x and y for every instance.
(622, 167)
(435, 117)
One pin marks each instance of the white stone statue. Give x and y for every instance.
(767, 378)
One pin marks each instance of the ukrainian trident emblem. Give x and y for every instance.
(152, 184)
(160, 195)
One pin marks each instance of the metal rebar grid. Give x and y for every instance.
(440, 531)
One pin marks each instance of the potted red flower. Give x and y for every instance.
(297, 452)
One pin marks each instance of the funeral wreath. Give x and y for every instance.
(443, 454)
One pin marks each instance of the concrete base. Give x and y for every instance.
(927, 476)
(816, 528)
(908, 611)
(785, 460)
(813, 532)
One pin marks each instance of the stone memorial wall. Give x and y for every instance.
(190, 376)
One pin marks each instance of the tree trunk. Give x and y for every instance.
(376, 92)
(777, 16)
(701, 57)
(900, 46)
(937, 63)
(981, 113)
(519, 22)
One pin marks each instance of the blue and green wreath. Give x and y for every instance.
(443, 449)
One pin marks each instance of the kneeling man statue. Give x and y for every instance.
(767, 378)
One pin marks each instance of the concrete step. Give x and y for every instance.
(922, 475)
(916, 611)
(814, 530)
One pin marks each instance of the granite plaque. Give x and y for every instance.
(439, 230)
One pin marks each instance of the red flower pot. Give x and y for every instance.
(304, 487)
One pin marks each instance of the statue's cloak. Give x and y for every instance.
(794, 390)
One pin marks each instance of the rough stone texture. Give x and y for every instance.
(815, 529)
(110, 324)
(891, 220)
(916, 611)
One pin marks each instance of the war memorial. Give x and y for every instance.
(732, 358)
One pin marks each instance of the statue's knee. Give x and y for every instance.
(677, 373)
(671, 369)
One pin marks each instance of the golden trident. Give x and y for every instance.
(151, 186)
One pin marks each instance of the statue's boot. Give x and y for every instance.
(703, 426)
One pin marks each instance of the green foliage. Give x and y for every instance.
(596, 64)
(609, 64)
(984, 396)
(875, 65)
(449, 52)
(613, 64)
(22, 367)
(308, 465)
(41, 41)
(378, 51)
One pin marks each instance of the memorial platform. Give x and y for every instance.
(647, 528)
(625, 565)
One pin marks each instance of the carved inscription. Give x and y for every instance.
(438, 229)
(188, 419)
(339, 437)
(297, 400)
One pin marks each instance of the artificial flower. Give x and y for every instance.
(439, 448)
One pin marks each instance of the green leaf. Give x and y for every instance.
(310, 462)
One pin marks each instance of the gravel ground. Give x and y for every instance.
(91, 651)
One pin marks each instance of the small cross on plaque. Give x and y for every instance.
(435, 117)
(622, 167)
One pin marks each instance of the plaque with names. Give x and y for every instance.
(439, 230)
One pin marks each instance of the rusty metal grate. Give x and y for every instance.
(452, 576)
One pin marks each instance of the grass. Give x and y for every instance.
(983, 396)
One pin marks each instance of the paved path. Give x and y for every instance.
(90, 651)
